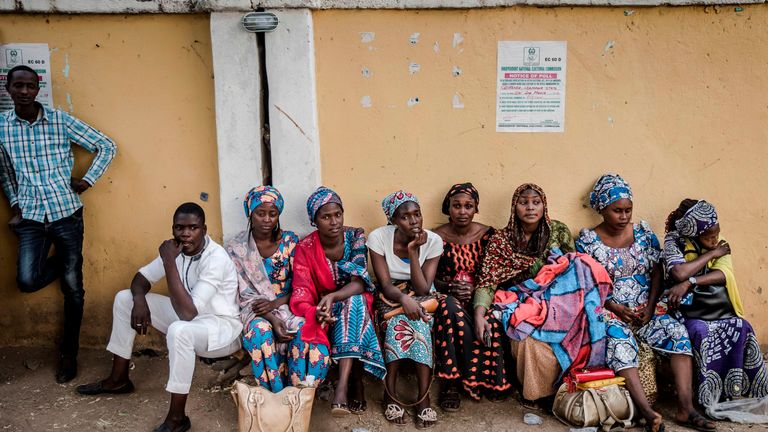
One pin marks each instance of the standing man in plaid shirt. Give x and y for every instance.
(36, 175)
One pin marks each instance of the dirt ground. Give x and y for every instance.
(30, 400)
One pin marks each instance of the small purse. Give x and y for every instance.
(594, 407)
(260, 410)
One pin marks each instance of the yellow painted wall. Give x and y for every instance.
(146, 81)
(678, 106)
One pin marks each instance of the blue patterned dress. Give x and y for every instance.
(353, 334)
(277, 365)
(630, 268)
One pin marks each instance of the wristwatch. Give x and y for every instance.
(692, 280)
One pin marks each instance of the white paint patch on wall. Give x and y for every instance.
(367, 37)
(70, 105)
(413, 101)
(457, 103)
(366, 72)
(457, 39)
(414, 39)
(66, 69)
(365, 101)
(456, 71)
(414, 68)
(436, 47)
(609, 45)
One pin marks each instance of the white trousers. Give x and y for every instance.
(185, 338)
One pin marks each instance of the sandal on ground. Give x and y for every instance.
(698, 422)
(97, 388)
(426, 419)
(185, 425)
(357, 406)
(393, 413)
(450, 400)
(340, 410)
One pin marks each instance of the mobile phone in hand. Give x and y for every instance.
(487, 339)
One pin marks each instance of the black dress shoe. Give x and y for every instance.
(97, 388)
(67, 370)
(185, 425)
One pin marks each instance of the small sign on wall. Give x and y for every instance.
(530, 88)
(37, 57)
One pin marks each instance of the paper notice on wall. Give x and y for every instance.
(35, 56)
(530, 88)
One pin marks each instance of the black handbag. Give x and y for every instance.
(710, 302)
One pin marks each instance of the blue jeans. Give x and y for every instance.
(36, 270)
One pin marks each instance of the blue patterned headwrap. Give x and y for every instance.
(260, 195)
(699, 218)
(395, 200)
(320, 197)
(608, 189)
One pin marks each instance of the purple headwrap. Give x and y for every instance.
(699, 218)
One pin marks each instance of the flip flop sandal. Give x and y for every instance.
(428, 418)
(357, 407)
(698, 422)
(393, 413)
(340, 410)
(450, 400)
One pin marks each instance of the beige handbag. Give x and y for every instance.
(601, 407)
(260, 410)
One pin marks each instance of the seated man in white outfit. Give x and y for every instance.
(200, 316)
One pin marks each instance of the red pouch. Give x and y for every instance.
(587, 375)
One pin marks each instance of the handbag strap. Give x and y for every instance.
(424, 396)
(258, 399)
(626, 423)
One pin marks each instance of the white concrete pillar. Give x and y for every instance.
(290, 64)
(237, 86)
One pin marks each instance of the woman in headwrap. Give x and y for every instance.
(404, 258)
(464, 243)
(516, 253)
(263, 257)
(705, 294)
(334, 294)
(632, 256)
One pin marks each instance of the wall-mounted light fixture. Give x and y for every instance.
(259, 22)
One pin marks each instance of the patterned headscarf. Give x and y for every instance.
(538, 242)
(320, 197)
(395, 200)
(465, 188)
(508, 255)
(699, 218)
(260, 195)
(608, 189)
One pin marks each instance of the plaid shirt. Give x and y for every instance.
(36, 162)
